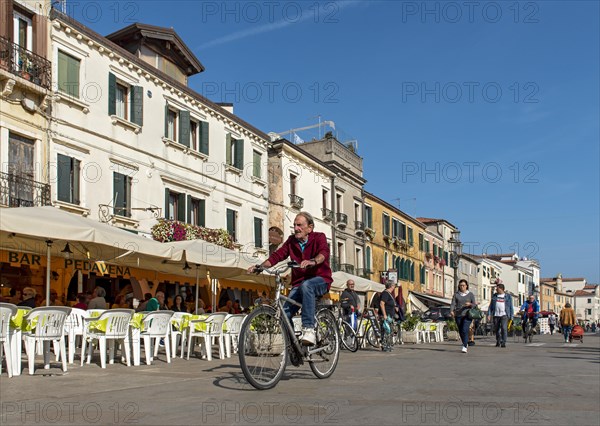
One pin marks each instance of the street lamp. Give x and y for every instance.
(455, 253)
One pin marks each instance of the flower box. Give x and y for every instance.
(410, 336)
(453, 335)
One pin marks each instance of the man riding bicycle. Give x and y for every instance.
(312, 279)
(529, 312)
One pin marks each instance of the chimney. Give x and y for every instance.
(227, 106)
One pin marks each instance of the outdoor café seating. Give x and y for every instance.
(111, 326)
(7, 311)
(207, 329)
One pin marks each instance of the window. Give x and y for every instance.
(421, 242)
(395, 228)
(427, 246)
(339, 204)
(68, 74)
(196, 211)
(232, 223)
(256, 160)
(325, 198)
(125, 101)
(589, 301)
(402, 231)
(386, 224)
(203, 135)
(122, 194)
(171, 127)
(68, 178)
(421, 275)
(234, 152)
(174, 205)
(369, 217)
(258, 232)
(194, 135)
(121, 101)
(368, 259)
(293, 184)
(358, 258)
(357, 212)
(589, 311)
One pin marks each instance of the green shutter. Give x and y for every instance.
(410, 236)
(239, 154)
(421, 242)
(181, 207)
(167, 120)
(190, 210)
(256, 159)
(137, 105)
(63, 72)
(63, 178)
(75, 181)
(231, 223)
(119, 193)
(258, 232)
(112, 94)
(167, 193)
(204, 137)
(202, 213)
(228, 150)
(184, 128)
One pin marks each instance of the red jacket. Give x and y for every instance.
(317, 244)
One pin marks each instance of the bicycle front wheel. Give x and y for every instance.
(348, 337)
(263, 349)
(324, 362)
(372, 336)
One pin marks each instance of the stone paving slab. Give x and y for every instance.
(545, 383)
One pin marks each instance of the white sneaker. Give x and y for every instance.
(308, 336)
(464, 349)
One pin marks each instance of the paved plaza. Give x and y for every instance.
(547, 382)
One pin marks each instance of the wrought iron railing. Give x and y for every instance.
(341, 219)
(296, 201)
(19, 191)
(327, 215)
(25, 63)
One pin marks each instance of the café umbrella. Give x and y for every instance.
(45, 230)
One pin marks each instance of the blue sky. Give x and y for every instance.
(487, 117)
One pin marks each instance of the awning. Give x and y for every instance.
(415, 304)
(440, 301)
(360, 284)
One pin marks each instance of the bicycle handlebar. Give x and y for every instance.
(276, 270)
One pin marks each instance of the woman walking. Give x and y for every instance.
(462, 301)
(567, 320)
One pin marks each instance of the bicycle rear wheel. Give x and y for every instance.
(348, 337)
(324, 362)
(263, 346)
(372, 336)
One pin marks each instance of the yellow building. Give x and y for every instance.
(395, 244)
(547, 295)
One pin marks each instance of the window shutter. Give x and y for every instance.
(181, 207)
(75, 181)
(63, 174)
(258, 232)
(112, 94)
(202, 213)
(127, 195)
(167, 193)
(118, 188)
(63, 72)
(166, 120)
(228, 150)
(137, 105)
(184, 128)
(239, 154)
(6, 19)
(73, 76)
(204, 137)
(230, 222)
(190, 210)
(40, 44)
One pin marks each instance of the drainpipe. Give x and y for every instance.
(333, 219)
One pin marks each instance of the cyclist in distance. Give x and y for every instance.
(312, 279)
(529, 312)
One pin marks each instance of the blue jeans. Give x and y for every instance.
(567, 331)
(306, 293)
(501, 328)
(463, 324)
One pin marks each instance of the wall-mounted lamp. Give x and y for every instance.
(67, 251)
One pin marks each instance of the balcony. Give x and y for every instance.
(296, 202)
(25, 64)
(364, 272)
(19, 191)
(359, 227)
(347, 268)
(327, 215)
(341, 219)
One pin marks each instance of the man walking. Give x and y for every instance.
(350, 302)
(552, 323)
(501, 310)
(567, 320)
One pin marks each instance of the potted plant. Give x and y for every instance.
(370, 233)
(428, 256)
(266, 337)
(452, 333)
(409, 327)
(442, 262)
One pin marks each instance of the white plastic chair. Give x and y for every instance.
(48, 325)
(74, 327)
(117, 330)
(157, 325)
(178, 333)
(440, 331)
(422, 333)
(7, 310)
(214, 329)
(233, 324)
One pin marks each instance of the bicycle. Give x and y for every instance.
(528, 327)
(347, 333)
(268, 341)
(371, 331)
